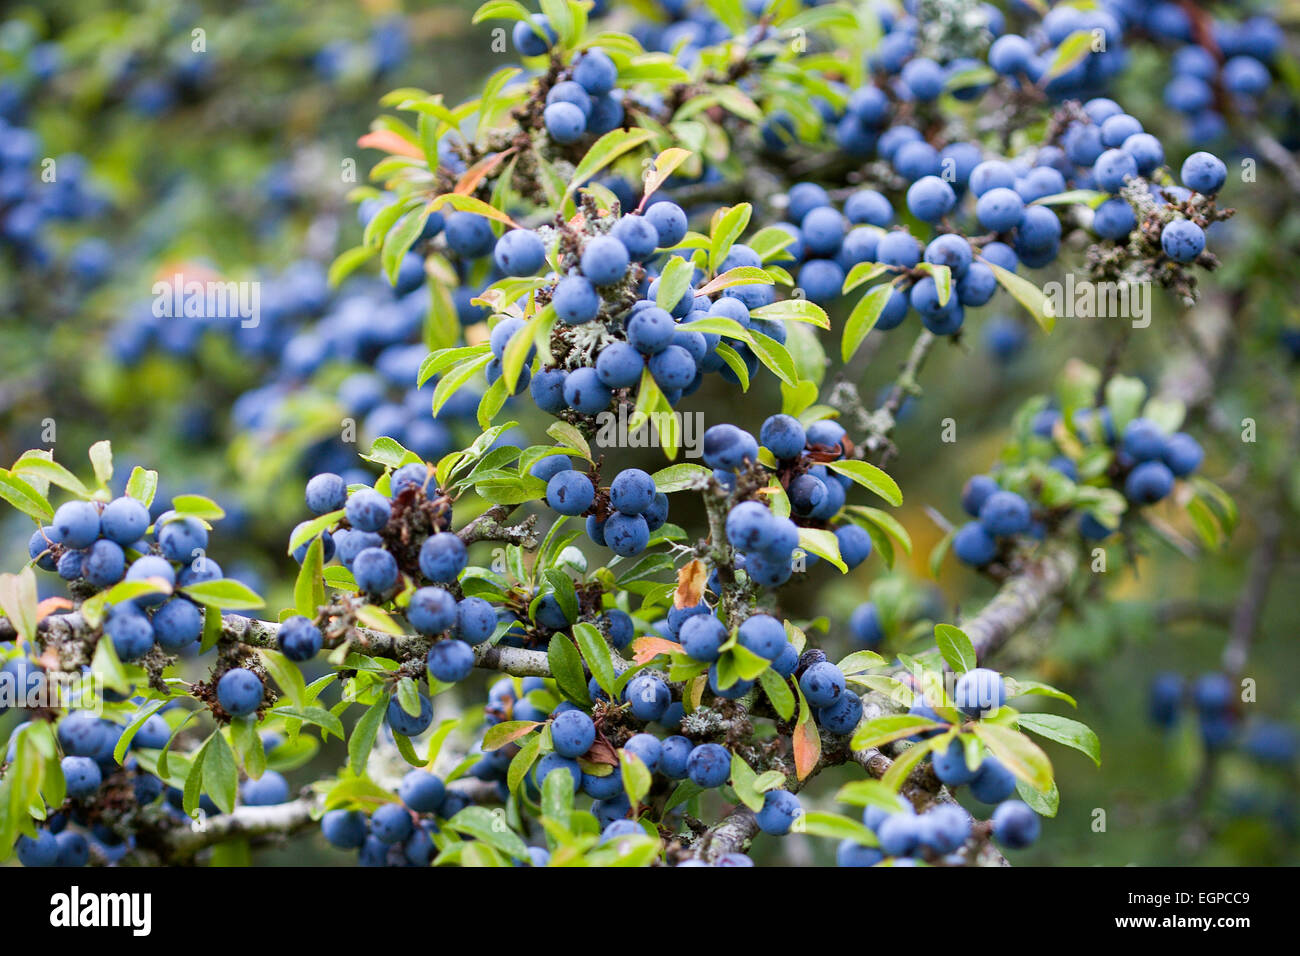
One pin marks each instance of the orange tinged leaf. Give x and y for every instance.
(807, 740)
(807, 748)
(389, 142)
(52, 604)
(691, 581)
(647, 648)
(475, 174)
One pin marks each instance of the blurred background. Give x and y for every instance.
(219, 139)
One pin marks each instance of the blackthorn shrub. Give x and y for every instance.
(629, 225)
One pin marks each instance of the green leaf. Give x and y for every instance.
(316, 715)
(596, 653)
(734, 362)
(142, 485)
(663, 166)
(942, 276)
(347, 262)
(863, 319)
(309, 588)
(684, 792)
(516, 354)
(408, 698)
(482, 824)
(1203, 520)
(823, 544)
(1124, 398)
(636, 777)
(778, 692)
(730, 226)
(860, 661)
(870, 477)
(1071, 51)
(774, 356)
(955, 647)
(1017, 753)
(1063, 730)
(938, 553)
(363, 736)
(603, 152)
(565, 593)
(109, 669)
(566, 668)
(286, 674)
(740, 275)
(835, 826)
(194, 780)
(569, 436)
(224, 593)
(1027, 294)
(769, 242)
(129, 732)
(747, 664)
(1073, 197)
(673, 282)
(220, 775)
(312, 529)
(562, 21)
(887, 729)
(399, 240)
(743, 779)
(906, 762)
(883, 527)
(1018, 687)
(35, 463)
(523, 761)
(1044, 804)
(451, 383)
(101, 460)
(863, 273)
(680, 477)
(25, 498)
(868, 793)
(198, 506)
(18, 600)
(498, 735)
(437, 362)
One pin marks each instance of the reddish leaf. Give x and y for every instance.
(647, 648)
(602, 751)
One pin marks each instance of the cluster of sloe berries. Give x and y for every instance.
(96, 545)
(625, 516)
(397, 833)
(1145, 463)
(399, 545)
(765, 542)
